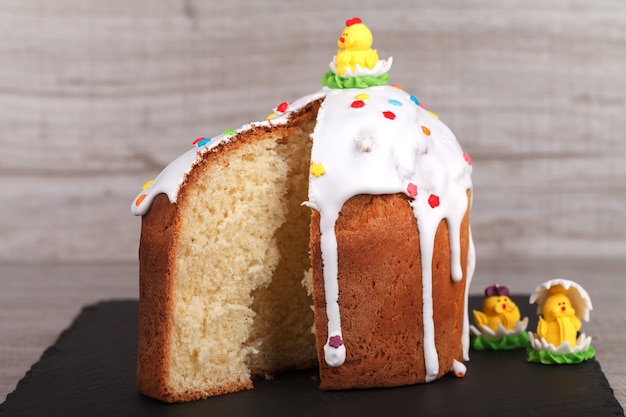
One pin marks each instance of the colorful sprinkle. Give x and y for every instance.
(146, 185)
(415, 100)
(204, 142)
(422, 105)
(411, 190)
(230, 132)
(362, 96)
(357, 104)
(335, 341)
(467, 158)
(389, 115)
(394, 102)
(317, 169)
(426, 130)
(271, 116)
(433, 200)
(398, 86)
(282, 107)
(435, 115)
(140, 199)
(196, 141)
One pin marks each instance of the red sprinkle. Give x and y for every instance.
(389, 115)
(195, 142)
(433, 200)
(411, 190)
(282, 107)
(467, 158)
(357, 104)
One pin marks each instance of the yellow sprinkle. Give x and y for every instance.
(362, 96)
(317, 170)
(146, 185)
(271, 116)
(435, 115)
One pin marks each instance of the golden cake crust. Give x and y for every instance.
(380, 295)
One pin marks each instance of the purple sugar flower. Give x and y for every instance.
(335, 341)
(496, 290)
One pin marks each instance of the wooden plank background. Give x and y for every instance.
(97, 96)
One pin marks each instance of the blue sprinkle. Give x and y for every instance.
(204, 142)
(395, 102)
(415, 100)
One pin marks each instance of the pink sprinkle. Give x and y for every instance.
(467, 158)
(411, 190)
(357, 104)
(389, 115)
(282, 107)
(422, 105)
(433, 200)
(335, 341)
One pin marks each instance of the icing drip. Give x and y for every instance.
(380, 140)
(471, 265)
(459, 369)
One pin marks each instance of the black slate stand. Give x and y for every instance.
(90, 371)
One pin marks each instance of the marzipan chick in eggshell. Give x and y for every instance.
(498, 309)
(558, 322)
(561, 305)
(498, 325)
(355, 47)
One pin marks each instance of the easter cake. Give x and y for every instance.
(335, 233)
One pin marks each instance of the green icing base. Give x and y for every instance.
(332, 80)
(507, 342)
(551, 358)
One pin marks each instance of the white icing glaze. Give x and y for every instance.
(171, 178)
(406, 146)
(469, 274)
(458, 368)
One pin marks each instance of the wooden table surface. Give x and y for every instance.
(38, 301)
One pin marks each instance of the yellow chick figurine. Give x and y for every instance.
(498, 309)
(355, 47)
(558, 321)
